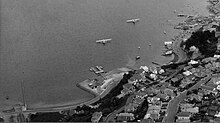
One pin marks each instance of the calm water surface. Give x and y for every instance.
(50, 44)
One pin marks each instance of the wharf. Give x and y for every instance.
(97, 85)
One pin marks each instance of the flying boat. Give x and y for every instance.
(104, 41)
(133, 20)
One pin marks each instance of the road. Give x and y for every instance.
(173, 104)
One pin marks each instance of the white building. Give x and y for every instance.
(187, 73)
(193, 62)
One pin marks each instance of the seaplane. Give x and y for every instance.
(133, 20)
(104, 41)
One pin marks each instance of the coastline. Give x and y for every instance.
(116, 74)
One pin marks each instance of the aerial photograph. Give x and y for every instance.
(142, 61)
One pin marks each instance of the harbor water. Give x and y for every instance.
(49, 45)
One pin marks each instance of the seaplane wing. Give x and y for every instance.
(103, 41)
(133, 20)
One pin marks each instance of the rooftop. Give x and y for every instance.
(128, 86)
(184, 114)
(141, 93)
(154, 116)
(138, 100)
(207, 88)
(174, 79)
(96, 116)
(162, 96)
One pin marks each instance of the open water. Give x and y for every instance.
(50, 44)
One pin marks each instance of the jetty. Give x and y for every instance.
(98, 85)
(97, 70)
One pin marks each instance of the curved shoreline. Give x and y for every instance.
(175, 58)
(179, 54)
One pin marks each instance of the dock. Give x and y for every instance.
(97, 70)
(99, 84)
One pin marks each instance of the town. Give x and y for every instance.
(187, 89)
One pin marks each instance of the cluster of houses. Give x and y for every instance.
(203, 101)
(158, 95)
(199, 102)
(157, 109)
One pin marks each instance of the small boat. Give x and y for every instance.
(164, 32)
(138, 57)
(169, 52)
(181, 15)
(139, 47)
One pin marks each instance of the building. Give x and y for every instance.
(207, 88)
(164, 107)
(192, 62)
(145, 68)
(154, 116)
(131, 107)
(216, 80)
(168, 44)
(183, 117)
(138, 100)
(141, 94)
(153, 112)
(96, 117)
(153, 100)
(162, 96)
(187, 73)
(127, 88)
(125, 117)
(169, 92)
(174, 80)
(197, 97)
(148, 121)
(154, 109)
(172, 88)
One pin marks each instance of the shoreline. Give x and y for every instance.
(113, 73)
(81, 85)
